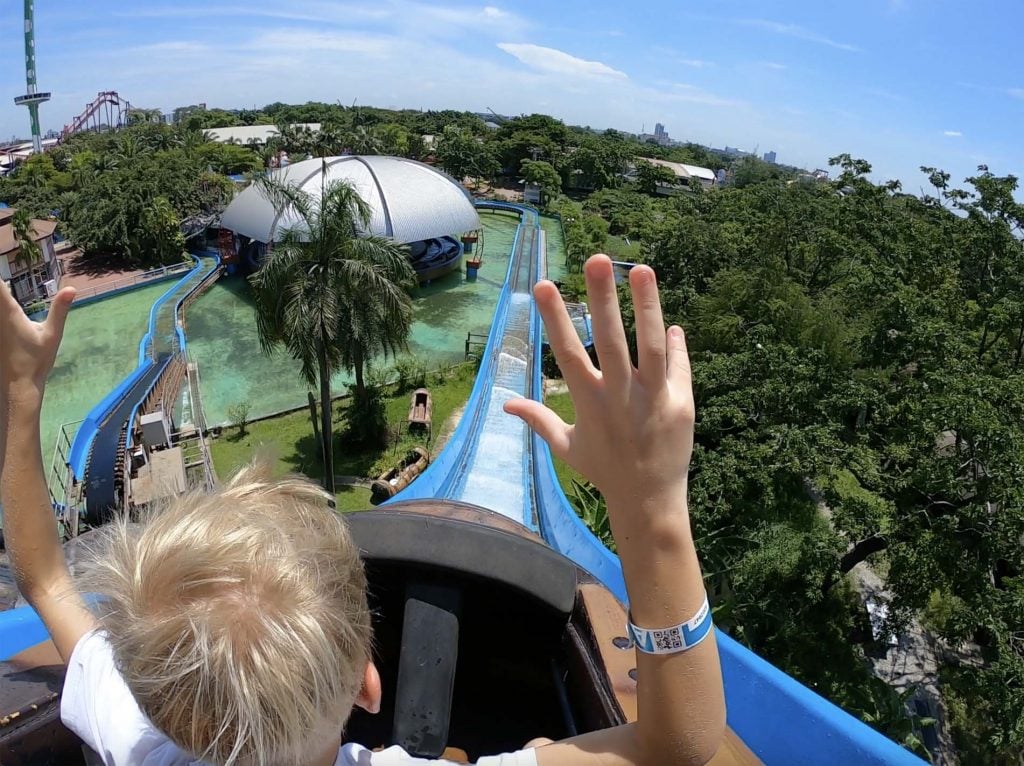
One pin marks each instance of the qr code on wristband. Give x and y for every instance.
(666, 640)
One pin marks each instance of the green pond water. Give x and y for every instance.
(99, 350)
(222, 331)
(556, 247)
(101, 341)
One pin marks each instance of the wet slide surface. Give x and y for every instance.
(488, 461)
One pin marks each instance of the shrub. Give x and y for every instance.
(238, 414)
(366, 418)
(410, 372)
(591, 507)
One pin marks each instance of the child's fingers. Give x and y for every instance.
(650, 327)
(606, 318)
(565, 342)
(7, 301)
(59, 309)
(546, 423)
(678, 360)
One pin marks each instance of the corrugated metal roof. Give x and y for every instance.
(682, 170)
(258, 133)
(409, 201)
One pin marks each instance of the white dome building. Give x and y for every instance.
(410, 201)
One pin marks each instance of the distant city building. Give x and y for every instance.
(659, 136)
(769, 157)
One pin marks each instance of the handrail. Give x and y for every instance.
(179, 333)
(138, 279)
(90, 425)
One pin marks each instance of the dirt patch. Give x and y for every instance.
(92, 273)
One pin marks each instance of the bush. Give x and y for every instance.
(410, 373)
(443, 372)
(366, 418)
(377, 377)
(238, 414)
(591, 507)
(35, 307)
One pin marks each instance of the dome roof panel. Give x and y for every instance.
(409, 201)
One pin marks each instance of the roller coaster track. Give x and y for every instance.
(107, 111)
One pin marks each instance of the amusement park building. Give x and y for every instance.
(409, 201)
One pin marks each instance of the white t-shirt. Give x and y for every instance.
(98, 706)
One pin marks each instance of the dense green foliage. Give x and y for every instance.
(857, 363)
(128, 194)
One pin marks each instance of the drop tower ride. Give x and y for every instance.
(33, 98)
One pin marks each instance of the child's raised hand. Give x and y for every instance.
(633, 435)
(28, 349)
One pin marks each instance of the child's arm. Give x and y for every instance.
(27, 353)
(633, 438)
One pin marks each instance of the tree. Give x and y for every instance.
(544, 175)
(750, 170)
(462, 154)
(650, 176)
(28, 253)
(229, 159)
(331, 298)
(238, 414)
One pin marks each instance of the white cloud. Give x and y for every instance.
(170, 47)
(675, 92)
(675, 57)
(295, 40)
(1016, 92)
(773, 65)
(554, 61)
(426, 17)
(800, 33)
(300, 12)
(952, 133)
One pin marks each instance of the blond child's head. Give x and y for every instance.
(239, 619)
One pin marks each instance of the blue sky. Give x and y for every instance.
(901, 83)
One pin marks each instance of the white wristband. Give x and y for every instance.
(678, 638)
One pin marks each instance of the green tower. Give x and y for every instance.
(33, 98)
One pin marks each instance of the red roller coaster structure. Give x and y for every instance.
(108, 111)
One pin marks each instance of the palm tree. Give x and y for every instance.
(364, 139)
(332, 298)
(28, 253)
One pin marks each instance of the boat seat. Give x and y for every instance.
(503, 558)
(426, 669)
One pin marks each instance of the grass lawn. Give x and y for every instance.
(618, 250)
(289, 439)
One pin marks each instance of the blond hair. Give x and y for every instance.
(239, 619)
